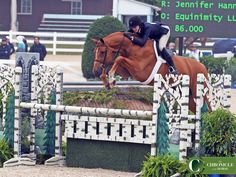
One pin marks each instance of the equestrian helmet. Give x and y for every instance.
(134, 21)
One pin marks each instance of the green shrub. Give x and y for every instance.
(137, 93)
(167, 165)
(231, 69)
(99, 29)
(25, 132)
(5, 152)
(184, 171)
(214, 65)
(219, 133)
(25, 146)
(160, 166)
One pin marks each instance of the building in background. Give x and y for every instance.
(67, 15)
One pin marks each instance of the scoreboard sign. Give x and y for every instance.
(200, 18)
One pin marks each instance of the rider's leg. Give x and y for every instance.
(165, 54)
(169, 61)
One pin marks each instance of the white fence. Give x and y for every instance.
(227, 55)
(54, 41)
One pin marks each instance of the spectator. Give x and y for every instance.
(20, 44)
(194, 52)
(171, 48)
(37, 47)
(11, 46)
(4, 49)
(26, 44)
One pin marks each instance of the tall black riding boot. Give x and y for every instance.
(169, 61)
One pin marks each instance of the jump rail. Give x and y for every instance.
(46, 79)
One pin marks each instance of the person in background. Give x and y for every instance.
(37, 47)
(11, 46)
(20, 44)
(26, 44)
(194, 52)
(4, 49)
(171, 48)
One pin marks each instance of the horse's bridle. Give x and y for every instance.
(106, 51)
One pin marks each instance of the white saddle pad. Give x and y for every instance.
(156, 67)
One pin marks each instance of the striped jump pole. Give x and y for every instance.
(87, 110)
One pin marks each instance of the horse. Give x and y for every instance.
(117, 54)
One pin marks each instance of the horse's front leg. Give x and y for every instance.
(103, 78)
(120, 61)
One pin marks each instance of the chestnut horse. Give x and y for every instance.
(138, 63)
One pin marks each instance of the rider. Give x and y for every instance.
(156, 31)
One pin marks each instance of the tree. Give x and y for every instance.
(9, 120)
(152, 2)
(49, 145)
(162, 131)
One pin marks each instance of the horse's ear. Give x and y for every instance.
(102, 41)
(95, 40)
(98, 42)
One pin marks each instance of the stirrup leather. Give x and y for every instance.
(172, 70)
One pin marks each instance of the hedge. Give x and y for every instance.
(220, 66)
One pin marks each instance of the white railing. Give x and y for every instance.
(55, 42)
(227, 55)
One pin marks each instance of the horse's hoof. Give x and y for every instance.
(111, 86)
(107, 86)
(112, 83)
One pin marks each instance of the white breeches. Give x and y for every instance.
(164, 39)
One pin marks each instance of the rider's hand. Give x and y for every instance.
(129, 36)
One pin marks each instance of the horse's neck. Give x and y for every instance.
(134, 52)
(141, 53)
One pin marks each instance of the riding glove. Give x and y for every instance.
(129, 36)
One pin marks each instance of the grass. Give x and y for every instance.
(101, 97)
(115, 98)
(105, 96)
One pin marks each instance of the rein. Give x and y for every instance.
(118, 51)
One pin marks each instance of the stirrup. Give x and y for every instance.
(172, 70)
